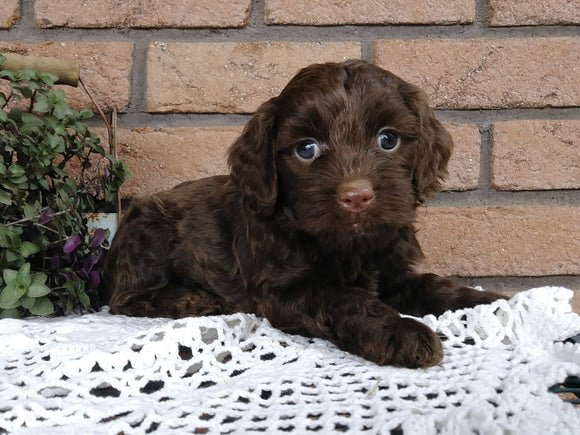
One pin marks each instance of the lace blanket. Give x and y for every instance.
(100, 373)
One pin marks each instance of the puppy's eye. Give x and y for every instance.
(388, 140)
(307, 150)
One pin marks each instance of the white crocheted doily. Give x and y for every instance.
(100, 373)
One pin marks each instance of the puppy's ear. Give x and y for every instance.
(252, 160)
(435, 144)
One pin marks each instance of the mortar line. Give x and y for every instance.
(484, 182)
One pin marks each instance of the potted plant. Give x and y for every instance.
(53, 170)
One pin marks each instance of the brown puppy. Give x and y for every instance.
(314, 227)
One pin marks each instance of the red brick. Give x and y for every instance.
(105, 69)
(501, 241)
(464, 162)
(488, 73)
(142, 13)
(230, 76)
(334, 12)
(535, 155)
(575, 302)
(9, 13)
(161, 159)
(533, 12)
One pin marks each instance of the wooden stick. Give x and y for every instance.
(67, 70)
(115, 153)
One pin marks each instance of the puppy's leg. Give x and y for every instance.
(420, 294)
(356, 322)
(139, 277)
(171, 301)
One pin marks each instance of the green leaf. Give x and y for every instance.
(48, 78)
(57, 96)
(44, 183)
(61, 110)
(85, 300)
(11, 256)
(10, 296)
(10, 314)
(29, 211)
(38, 288)
(16, 170)
(10, 236)
(80, 127)
(56, 142)
(85, 114)
(24, 90)
(20, 182)
(31, 123)
(9, 276)
(23, 276)
(5, 197)
(71, 286)
(7, 74)
(42, 105)
(42, 307)
(26, 302)
(27, 249)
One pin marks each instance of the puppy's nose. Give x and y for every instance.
(355, 195)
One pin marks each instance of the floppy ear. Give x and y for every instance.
(252, 161)
(434, 141)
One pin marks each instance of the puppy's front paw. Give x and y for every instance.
(411, 344)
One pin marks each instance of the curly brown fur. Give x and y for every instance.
(314, 227)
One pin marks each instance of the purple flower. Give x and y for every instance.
(90, 262)
(46, 216)
(55, 262)
(95, 279)
(71, 244)
(98, 237)
(68, 275)
(83, 274)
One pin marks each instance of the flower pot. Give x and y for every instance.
(106, 221)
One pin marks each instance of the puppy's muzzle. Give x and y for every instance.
(356, 195)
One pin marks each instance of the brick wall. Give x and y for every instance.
(504, 76)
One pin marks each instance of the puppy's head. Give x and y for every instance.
(345, 147)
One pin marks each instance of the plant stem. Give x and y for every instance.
(32, 101)
(8, 99)
(39, 225)
(28, 219)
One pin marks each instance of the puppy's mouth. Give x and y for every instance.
(358, 223)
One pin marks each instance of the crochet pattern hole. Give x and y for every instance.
(268, 356)
(114, 417)
(208, 335)
(105, 391)
(152, 387)
(51, 392)
(191, 370)
(153, 427)
(184, 352)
